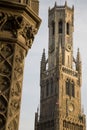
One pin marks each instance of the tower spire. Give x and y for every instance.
(43, 65)
(43, 56)
(78, 62)
(79, 66)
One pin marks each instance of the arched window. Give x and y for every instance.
(67, 87)
(67, 28)
(72, 89)
(60, 27)
(51, 85)
(53, 27)
(47, 88)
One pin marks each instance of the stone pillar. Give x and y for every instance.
(18, 26)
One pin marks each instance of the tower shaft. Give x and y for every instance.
(60, 84)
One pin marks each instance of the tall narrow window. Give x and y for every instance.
(53, 27)
(47, 88)
(67, 28)
(67, 86)
(72, 89)
(60, 27)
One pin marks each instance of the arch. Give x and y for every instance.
(67, 28)
(60, 26)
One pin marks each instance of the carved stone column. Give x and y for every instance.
(18, 26)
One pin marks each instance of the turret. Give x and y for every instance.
(43, 64)
(78, 62)
(79, 66)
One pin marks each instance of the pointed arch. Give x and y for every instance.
(60, 24)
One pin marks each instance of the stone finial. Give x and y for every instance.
(73, 7)
(55, 4)
(65, 3)
(43, 55)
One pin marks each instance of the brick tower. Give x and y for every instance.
(60, 76)
(18, 25)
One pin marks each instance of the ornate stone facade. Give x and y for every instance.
(60, 83)
(18, 26)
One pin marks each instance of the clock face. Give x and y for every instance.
(68, 47)
(71, 107)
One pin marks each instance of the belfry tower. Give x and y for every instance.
(19, 22)
(60, 83)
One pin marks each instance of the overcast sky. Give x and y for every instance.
(31, 87)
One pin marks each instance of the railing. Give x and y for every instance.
(69, 71)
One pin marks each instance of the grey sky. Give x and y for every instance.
(31, 87)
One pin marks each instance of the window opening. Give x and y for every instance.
(60, 27)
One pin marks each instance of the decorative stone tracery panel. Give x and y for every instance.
(6, 52)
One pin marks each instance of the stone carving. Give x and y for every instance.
(3, 104)
(2, 122)
(5, 69)
(13, 125)
(16, 90)
(28, 33)
(10, 22)
(6, 93)
(14, 107)
(17, 29)
(19, 57)
(69, 71)
(4, 83)
(15, 24)
(6, 50)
